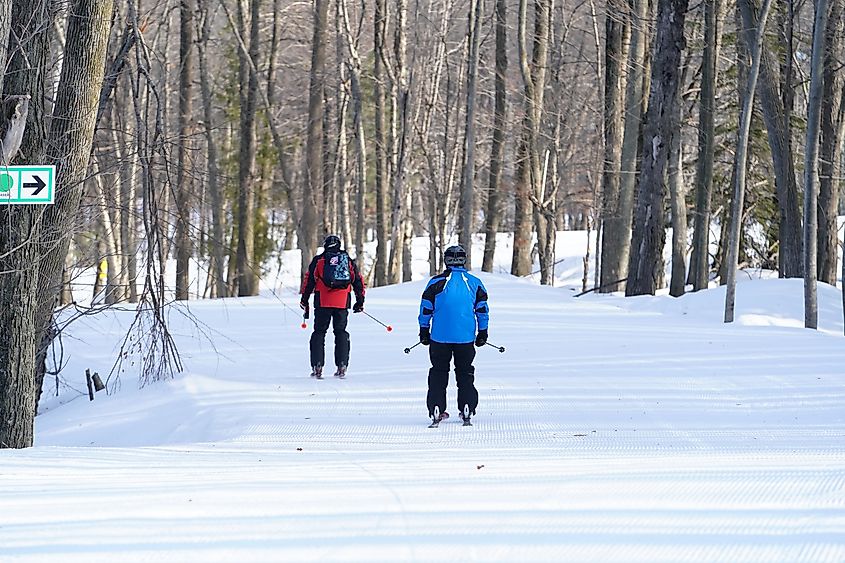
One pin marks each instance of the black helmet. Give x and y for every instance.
(455, 256)
(332, 243)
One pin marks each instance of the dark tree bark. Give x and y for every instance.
(614, 85)
(830, 151)
(649, 233)
(20, 226)
(183, 180)
(245, 257)
(497, 151)
(700, 257)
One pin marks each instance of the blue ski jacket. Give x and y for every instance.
(452, 305)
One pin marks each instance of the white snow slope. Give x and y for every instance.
(611, 429)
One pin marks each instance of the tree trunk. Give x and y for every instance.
(677, 195)
(245, 256)
(20, 225)
(184, 182)
(619, 227)
(831, 148)
(354, 65)
(649, 232)
(382, 171)
(465, 227)
(529, 173)
(754, 44)
(218, 246)
(700, 258)
(774, 117)
(811, 164)
(400, 95)
(614, 85)
(497, 151)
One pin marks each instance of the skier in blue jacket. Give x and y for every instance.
(454, 305)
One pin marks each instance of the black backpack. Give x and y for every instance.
(337, 273)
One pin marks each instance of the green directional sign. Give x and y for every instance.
(27, 184)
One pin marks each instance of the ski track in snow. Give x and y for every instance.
(608, 431)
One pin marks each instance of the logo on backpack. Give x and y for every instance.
(336, 272)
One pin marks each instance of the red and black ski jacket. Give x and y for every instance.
(324, 296)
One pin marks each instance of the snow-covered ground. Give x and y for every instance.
(611, 429)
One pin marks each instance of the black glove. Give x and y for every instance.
(425, 336)
(303, 304)
(481, 339)
(358, 307)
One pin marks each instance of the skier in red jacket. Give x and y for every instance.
(332, 277)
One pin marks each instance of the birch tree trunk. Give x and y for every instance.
(649, 232)
(811, 165)
(382, 171)
(398, 142)
(755, 47)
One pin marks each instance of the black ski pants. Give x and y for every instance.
(323, 316)
(438, 376)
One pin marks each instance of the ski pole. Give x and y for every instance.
(388, 327)
(408, 350)
(501, 349)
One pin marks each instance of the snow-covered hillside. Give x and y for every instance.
(611, 429)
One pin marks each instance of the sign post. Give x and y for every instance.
(27, 185)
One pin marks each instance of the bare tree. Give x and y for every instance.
(248, 76)
(700, 258)
(382, 170)
(494, 212)
(811, 165)
(649, 232)
(182, 194)
(614, 85)
(756, 48)
(529, 174)
(830, 148)
(218, 245)
(777, 128)
(465, 227)
(618, 227)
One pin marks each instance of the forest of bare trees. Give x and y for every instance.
(218, 133)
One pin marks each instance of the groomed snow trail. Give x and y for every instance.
(610, 430)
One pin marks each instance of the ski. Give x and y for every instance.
(438, 417)
(465, 416)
